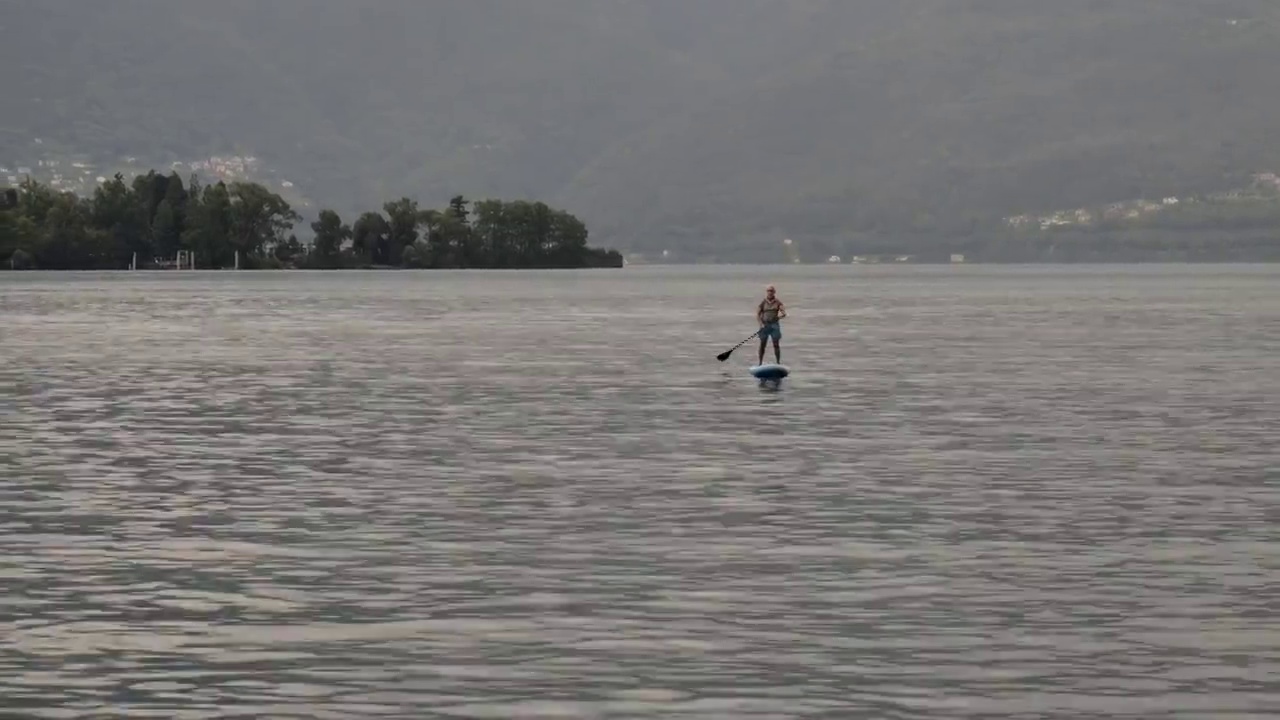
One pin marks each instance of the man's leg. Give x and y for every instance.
(777, 352)
(764, 342)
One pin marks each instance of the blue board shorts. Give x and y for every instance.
(770, 330)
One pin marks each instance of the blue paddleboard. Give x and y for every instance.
(770, 371)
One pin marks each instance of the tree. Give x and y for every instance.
(170, 218)
(166, 230)
(66, 243)
(402, 230)
(415, 256)
(331, 233)
(35, 200)
(117, 213)
(259, 218)
(208, 231)
(536, 228)
(369, 235)
(458, 209)
(449, 243)
(436, 250)
(463, 247)
(288, 251)
(17, 230)
(492, 232)
(568, 239)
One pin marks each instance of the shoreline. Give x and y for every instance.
(670, 265)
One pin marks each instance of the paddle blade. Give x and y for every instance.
(724, 355)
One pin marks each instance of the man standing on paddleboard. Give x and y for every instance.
(769, 312)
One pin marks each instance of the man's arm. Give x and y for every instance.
(782, 310)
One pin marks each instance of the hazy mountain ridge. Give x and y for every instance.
(940, 145)
(703, 125)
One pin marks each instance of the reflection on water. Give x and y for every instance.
(982, 493)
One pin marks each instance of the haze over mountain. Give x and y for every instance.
(710, 127)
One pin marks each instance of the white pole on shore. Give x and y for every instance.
(237, 259)
(133, 264)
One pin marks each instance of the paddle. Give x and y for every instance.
(725, 355)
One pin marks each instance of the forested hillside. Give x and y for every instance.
(708, 127)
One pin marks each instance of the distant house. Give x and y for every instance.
(1055, 220)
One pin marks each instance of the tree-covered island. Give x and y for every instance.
(156, 218)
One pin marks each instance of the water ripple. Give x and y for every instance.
(985, 493)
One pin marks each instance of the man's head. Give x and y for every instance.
(769, 291)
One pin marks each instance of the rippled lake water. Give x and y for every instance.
(983, 493)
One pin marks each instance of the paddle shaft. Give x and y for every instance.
(725, 355)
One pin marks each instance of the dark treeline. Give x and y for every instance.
(156, 216)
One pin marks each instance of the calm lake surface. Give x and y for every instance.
(985, 492)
